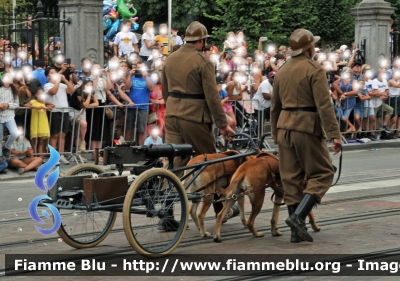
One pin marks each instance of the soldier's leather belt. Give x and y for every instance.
(187, 96)
(299, 109)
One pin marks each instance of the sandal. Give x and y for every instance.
(350, 130)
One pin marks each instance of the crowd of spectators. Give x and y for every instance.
(366, 101)
(45, 98)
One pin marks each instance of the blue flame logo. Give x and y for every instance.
(50, 182)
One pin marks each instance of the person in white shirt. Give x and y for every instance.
(148, 40)
(22, 157)
(175, 37)
(9, 101)
(262, 100)
(59, 117)
(380, 90)
(125, 41)
(368, 119)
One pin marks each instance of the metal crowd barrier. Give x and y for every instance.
(74, 134)
(361, 126)
(248, 121)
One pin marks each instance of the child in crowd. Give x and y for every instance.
(148, 40)
(8, 102)
(22, 157)
(163, 38)
(361, 106)
(125, 41)
(225, 104)
(157, 108)
(154, 138)
(40, 130)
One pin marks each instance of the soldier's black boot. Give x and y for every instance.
(297, 220)
(295, 238)
(168, 223)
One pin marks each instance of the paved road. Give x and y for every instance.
(363, 162)
(367, 177)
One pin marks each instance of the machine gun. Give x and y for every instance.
(127, 154)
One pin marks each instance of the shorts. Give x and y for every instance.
(368, 112)
(59, 122)
(344, 113)
(359, 111)
(394, 102)
(74, 114)
(387, 110)
(142, 116)
(364, 112)
(77, 117)
(228, 107)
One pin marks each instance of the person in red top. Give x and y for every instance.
(157, 108)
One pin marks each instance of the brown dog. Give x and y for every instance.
(251, 179)
(219, 175)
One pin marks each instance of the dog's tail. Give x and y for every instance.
(237, 177)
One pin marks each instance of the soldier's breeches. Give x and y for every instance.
(303, 154)
(199, 135)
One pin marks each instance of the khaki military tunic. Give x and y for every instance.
(189, 72)
(301, 83)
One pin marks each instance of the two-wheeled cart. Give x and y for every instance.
(88, 198)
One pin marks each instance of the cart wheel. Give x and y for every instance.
(237, 144)
(80, 228)
(152, 196)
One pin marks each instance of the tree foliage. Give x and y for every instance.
(277, 19)
(183, 12)
(7, 5)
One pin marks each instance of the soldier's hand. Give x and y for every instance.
(274, 138)
(226, 131)
(336, 146)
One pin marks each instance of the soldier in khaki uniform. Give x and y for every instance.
(192, 99)
(302, 117)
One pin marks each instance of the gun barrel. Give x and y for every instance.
(170, 150)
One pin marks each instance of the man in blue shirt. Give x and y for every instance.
(38, 73)
(140, 85)
(22, 59)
